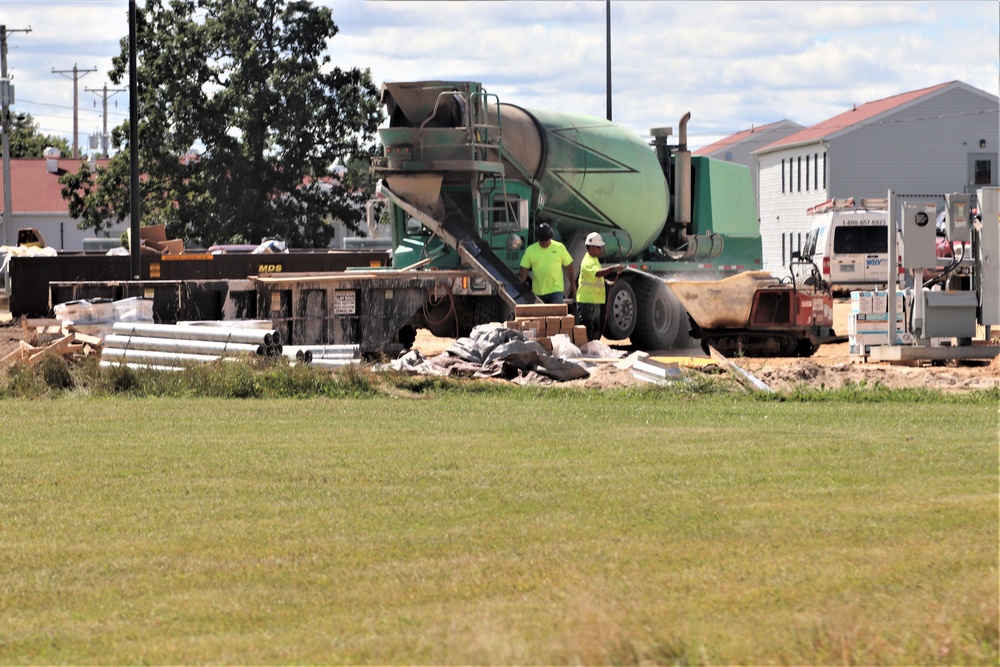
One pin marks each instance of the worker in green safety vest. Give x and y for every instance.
(549, 262)
(590, 293)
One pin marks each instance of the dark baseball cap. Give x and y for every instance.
(544, 232)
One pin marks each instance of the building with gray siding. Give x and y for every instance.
(931, 141)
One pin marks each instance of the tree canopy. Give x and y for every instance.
(27, 142)
(241, 116)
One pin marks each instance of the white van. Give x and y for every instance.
(851, 248)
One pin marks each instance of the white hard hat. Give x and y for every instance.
(594, 239)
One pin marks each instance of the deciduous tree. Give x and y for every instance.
(27, 142)
(241, 117)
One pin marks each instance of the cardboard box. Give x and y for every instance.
(880, 302)
(545, 342)
(579, 336)
(154, 234)
(553, 326)
(153, 239)
(870, 326)
(172, 247)
(869, 338)
(872, 317)
(861, 302)
(533, 310)
(534, 325)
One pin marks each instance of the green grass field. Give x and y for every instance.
(520, 527)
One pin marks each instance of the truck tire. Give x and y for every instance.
(620, 311)
(492, 309)
(440, 318)
(658, 318)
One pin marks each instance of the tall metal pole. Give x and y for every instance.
(133, 141)
(609, 56)
(7, 217)
(77, 73)
(8, 208)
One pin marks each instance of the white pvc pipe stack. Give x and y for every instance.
(324, 355)
(181, 345)
(151, 356)
(146, 367)
(331, 350)
(145, 345)
(217, 334)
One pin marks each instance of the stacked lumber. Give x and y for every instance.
(68, 345)
(542, 321)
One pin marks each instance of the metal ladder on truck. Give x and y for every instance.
(484, 164)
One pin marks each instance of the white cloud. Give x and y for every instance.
(732, 64)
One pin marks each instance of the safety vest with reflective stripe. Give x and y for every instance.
(590, 288)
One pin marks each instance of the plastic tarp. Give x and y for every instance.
(503, 352)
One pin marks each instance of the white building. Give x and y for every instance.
(932, 141)
(739, 147)
(37, 202)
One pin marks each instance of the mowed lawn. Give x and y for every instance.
(543, 528)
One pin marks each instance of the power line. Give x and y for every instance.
(44, 104)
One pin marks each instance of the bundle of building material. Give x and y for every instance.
(175, 346)
(329, 356)
(97, 316)
(67, 345)
(542, 321)
(500, 351)
(870, 323)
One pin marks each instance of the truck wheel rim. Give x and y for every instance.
(623, 310)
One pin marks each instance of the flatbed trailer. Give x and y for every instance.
(30, 277)
(374, 309)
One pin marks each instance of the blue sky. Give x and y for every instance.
(732, 64)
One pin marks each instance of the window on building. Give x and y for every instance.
(807, 173)
(824, 171)
(782, 176)
(983, 172)
(816, 171)
(799, 174)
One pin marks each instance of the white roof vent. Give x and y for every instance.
(51, 152)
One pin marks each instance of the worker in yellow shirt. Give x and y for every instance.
(590, 295)
(549, 262)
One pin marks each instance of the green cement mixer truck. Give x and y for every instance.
(467, 179)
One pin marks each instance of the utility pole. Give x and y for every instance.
(104, 133)
(608, 56)
(77, 73)
(8, 99)
(135, 206)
